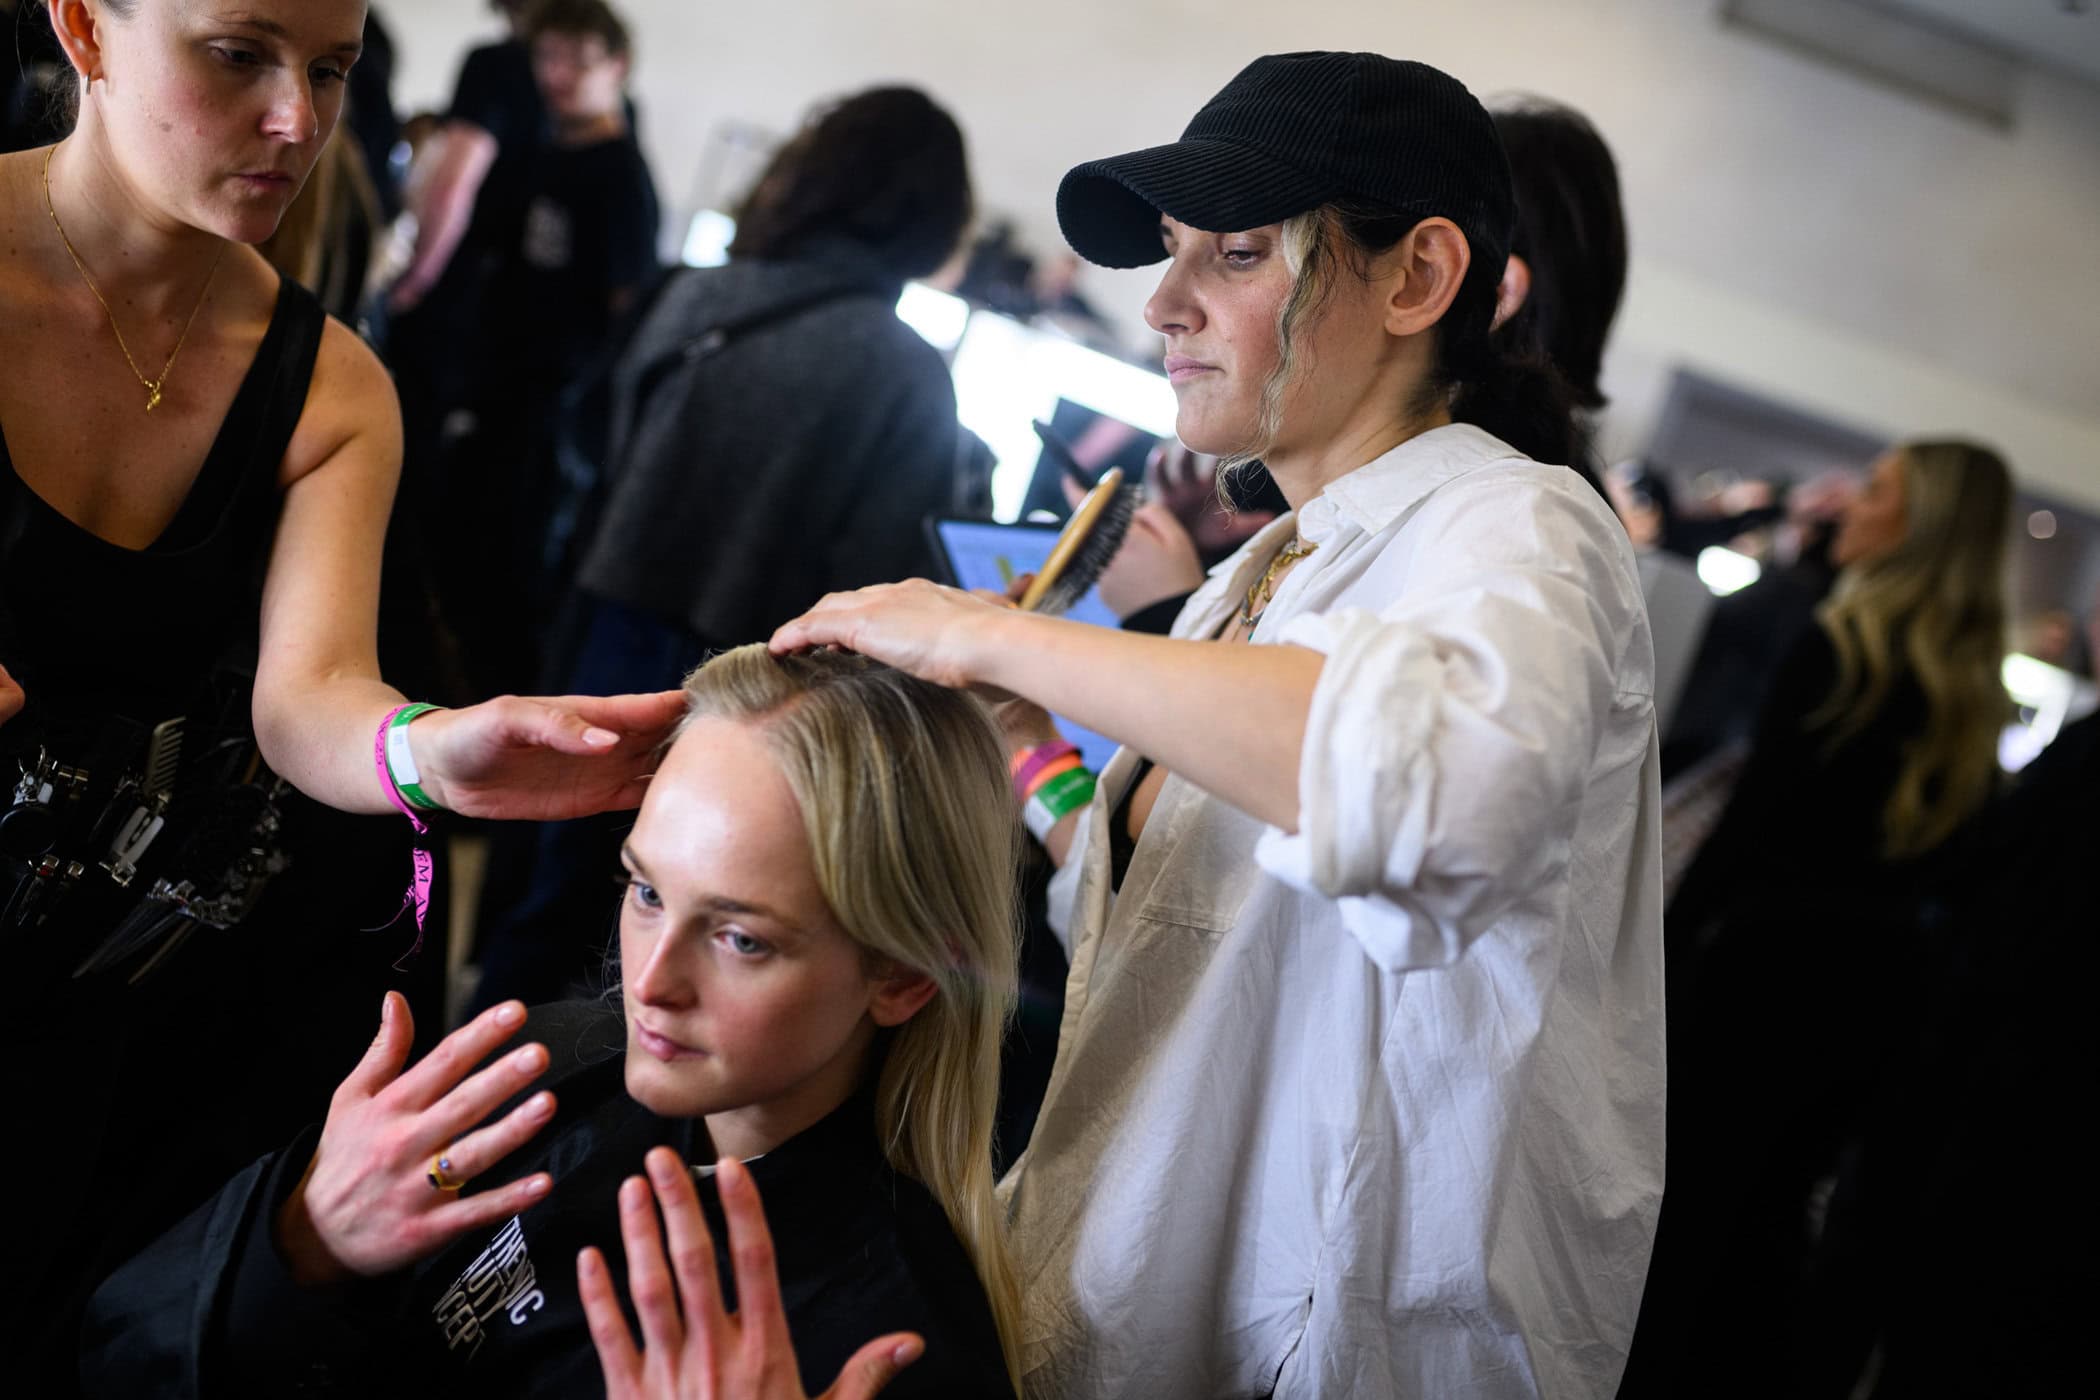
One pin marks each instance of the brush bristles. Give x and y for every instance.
(1095, 554)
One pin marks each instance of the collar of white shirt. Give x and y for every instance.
(1380, 491)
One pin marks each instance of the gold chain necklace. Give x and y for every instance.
(152, 386)
(1257, 600)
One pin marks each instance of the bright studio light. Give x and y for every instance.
(707, 239)
(1007, 376)
(937, 316)
(1724, 571)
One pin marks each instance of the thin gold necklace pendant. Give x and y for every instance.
(152, 397)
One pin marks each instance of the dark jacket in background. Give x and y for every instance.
(210, 1309)
(1795, 955)
(778, 434)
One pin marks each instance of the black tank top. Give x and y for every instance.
(90, 629)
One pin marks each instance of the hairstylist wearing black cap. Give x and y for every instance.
(1359, 1086)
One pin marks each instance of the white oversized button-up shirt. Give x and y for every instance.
(1376, 1109)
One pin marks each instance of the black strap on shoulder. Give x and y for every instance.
(242, 466)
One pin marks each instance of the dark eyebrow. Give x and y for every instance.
(275, 30)
(716, 903)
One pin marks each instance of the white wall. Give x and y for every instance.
(1838, 245)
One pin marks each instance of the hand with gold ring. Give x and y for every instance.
(441, 1174)
(383, 1189)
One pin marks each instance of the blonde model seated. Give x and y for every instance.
(818, 948)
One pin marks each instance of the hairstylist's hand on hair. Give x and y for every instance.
(692, 1349)
(11, 697)
(544, 759)
(367, 1205)
(937, 634)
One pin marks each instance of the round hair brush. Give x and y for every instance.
(1089, 540)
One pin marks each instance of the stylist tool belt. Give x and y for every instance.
(125, 842)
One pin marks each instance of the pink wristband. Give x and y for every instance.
(1030, 762)
(418, 895)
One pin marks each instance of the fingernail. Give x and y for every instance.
(603, 738)
(540, 1105)
(537, 1186)
(510, 1014)
(526, 1061)
(906, 1352)
(730, 1175)
(661, 1169)
(386, 1010)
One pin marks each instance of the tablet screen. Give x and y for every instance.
(981, 554)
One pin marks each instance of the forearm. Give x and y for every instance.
(1230, 719)
(317, 735)
(447, 205)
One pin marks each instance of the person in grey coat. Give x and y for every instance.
(774, 433)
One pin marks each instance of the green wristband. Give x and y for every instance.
(401, 764)
(1065, 793)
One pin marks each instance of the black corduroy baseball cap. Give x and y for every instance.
(1290, 133)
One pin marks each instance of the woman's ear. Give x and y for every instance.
(1514, 291)
(898, 994)
(1427, 269)
(75, 23)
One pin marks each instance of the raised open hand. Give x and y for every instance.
(544, 759)
(1185, 483)
(692, 1349)
(383, 1188)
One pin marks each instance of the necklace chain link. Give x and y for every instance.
(153, 387)
(1257, 600)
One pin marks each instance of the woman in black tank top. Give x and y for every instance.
(196, 472)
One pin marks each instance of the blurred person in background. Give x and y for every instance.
(327, 239)
(368, 113)
(1793, 939)
(777, 434)
(1943, 1272)
(465, 195)
(34, 77)
(583, 254)
(1751, 631)
(474, 195)
(1567, 267)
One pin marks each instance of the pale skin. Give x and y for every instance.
(199, 121)
(747, 1006)
(1216, 306)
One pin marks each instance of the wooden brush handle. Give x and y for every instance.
(1073, 537)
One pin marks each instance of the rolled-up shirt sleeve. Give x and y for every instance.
(1452, 732)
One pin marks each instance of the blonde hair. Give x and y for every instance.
(1933, 608)
(308, 246)
(904, 796)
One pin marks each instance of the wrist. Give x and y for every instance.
(306, 1256)
(414, 777)
(999, 638)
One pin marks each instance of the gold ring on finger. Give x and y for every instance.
(441, 1177)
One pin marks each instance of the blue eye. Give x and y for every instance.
(644, 895)
(742, 944)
